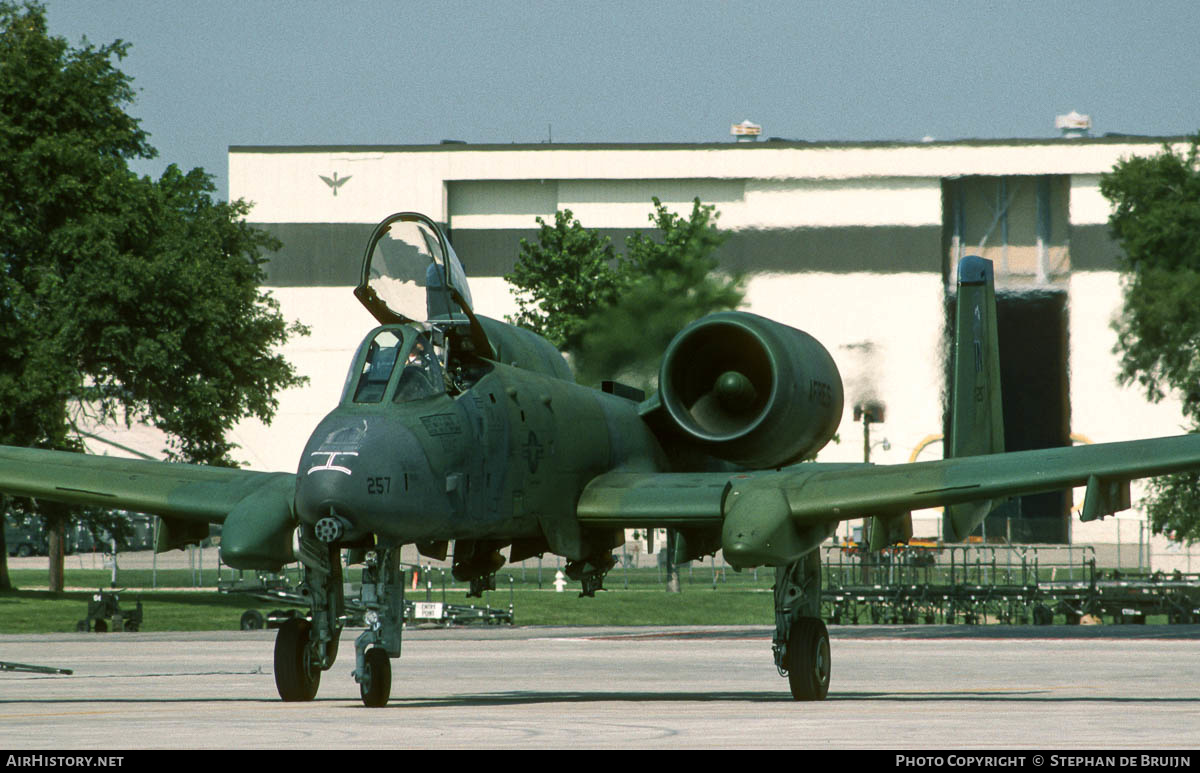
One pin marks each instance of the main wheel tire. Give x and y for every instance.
(808, 660)
(296, 678)
(375, 685)
(252, 620)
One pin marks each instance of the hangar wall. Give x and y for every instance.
(851, 242)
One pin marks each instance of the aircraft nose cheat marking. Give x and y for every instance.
(329, 465)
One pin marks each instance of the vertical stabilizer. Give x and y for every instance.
(976, 419)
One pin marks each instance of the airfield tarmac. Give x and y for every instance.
(921, 688)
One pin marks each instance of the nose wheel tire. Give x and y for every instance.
(375, 682)
(296, 678)
(809, 665)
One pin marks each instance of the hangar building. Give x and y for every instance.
(853, 242)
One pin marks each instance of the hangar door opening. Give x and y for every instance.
(1020, 224)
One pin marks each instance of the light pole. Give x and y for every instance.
(868, 413)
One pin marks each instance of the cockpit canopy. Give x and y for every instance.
(411, 274)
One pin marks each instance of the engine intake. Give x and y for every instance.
(750, 390)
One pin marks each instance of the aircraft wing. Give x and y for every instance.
(890, 488)
(639, 500)
(819, 495)
(184, 491)
(256, 508)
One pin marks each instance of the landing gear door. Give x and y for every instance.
(411, 274)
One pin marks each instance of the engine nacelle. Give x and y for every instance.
(751, 391)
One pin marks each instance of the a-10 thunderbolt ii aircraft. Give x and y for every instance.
(453, 427)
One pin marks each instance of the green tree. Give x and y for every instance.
(616, 314)
(563, 278)
(1156, 220)
(672, 279)
(122, 298)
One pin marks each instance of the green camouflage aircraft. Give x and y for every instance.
(462, 428)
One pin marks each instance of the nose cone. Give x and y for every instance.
(325, 487)
(362, 475)
(333, 481)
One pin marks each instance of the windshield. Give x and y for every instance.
(422, 375)
(389, 349)
(377, 367)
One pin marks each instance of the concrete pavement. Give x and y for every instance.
(912, 688)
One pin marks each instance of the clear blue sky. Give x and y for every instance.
(217, 73)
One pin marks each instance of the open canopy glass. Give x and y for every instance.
(411, 274)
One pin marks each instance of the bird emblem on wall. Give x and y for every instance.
(335, 182)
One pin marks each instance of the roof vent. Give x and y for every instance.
(746, 131)
(1073, 125)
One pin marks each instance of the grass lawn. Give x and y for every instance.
(39, 611)
(635, 597)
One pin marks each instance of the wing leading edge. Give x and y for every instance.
(256, 507)
(185, 491)
(774, 517)
(765, 517)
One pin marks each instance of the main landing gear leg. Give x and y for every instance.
(801, 642)
(306, 647)
(383, 596)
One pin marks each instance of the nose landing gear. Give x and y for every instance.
(383, 596)
(375, 678)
